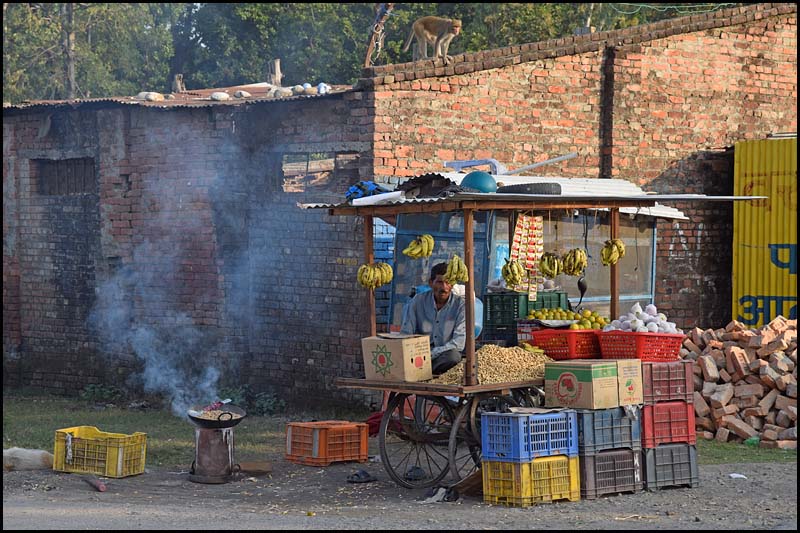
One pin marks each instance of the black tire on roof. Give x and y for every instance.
(531, 188)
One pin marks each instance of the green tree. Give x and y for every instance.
(54, 51)
(122, 49)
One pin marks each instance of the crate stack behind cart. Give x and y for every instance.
(668, 428)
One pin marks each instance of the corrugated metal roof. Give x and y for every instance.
(587, 186)
(573, 188)
(194, 98)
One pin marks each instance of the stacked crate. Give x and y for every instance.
(610, 448)
(668, 428)
(501, 311)
(529, 458)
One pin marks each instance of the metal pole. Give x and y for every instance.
(541, 163)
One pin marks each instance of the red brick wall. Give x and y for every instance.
(191, 235)
(656, 105)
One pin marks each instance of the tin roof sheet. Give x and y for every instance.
(259, 93)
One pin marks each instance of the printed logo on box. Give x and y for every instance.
(630, 390)
(382, 360)
(568, 388)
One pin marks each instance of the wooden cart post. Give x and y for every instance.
(614, 311)
(369, 254)
(470, 368)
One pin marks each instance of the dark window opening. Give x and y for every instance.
(314, 170)
(57, 177)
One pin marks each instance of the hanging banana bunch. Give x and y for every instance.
(575, 262)
(456, 271)
(613, 250)
(422, 246)
(374, 275)
(513, 273)
(550, 265)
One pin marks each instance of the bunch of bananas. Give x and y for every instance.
(513, 273)
(456, 271)
(613, 250)
(422, 246)
(550, 265)
(374, 275)
(574, 262)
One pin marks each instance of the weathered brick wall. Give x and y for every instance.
(199, 257)
(655, 104)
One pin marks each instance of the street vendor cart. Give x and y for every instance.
(429, 430)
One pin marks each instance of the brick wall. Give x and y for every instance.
(202, 259)
(655, 104)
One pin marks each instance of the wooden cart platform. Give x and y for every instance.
(435, 389)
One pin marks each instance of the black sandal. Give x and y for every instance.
(362, 476)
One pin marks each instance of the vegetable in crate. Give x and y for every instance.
(648, 320)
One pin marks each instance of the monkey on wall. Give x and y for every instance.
(437, 31)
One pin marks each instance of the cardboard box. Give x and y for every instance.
(593, 383)
(397, 357)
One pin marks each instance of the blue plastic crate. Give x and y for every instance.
(608, 429)
(517, 437)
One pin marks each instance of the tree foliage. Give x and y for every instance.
(123, 49)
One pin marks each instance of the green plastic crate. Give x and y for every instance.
(550, 300)
(504, 309)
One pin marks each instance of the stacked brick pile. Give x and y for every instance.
(745, 382)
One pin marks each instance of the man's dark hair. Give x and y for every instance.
(439, 269)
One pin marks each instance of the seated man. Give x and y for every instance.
(440, 314)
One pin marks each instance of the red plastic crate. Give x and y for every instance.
(659, 347)
(667, 381)
(561, 344)
(326, 442)
(667, 423)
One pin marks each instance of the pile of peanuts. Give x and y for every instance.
(498, 365)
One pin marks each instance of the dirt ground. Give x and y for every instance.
(304, 497)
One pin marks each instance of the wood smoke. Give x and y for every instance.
(499, 365)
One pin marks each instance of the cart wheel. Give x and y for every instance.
(487, 403)
(528, 397)
(464, 450)
(414, 436)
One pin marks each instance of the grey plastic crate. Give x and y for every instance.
(671, 465)
(611, 472)
(608, 429)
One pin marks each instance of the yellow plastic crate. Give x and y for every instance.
(545, 479)
(87, 450)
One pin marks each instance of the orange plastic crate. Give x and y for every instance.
(561, 344)
(326, 442)
(656, 347)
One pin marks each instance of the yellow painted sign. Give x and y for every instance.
(765, 231)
